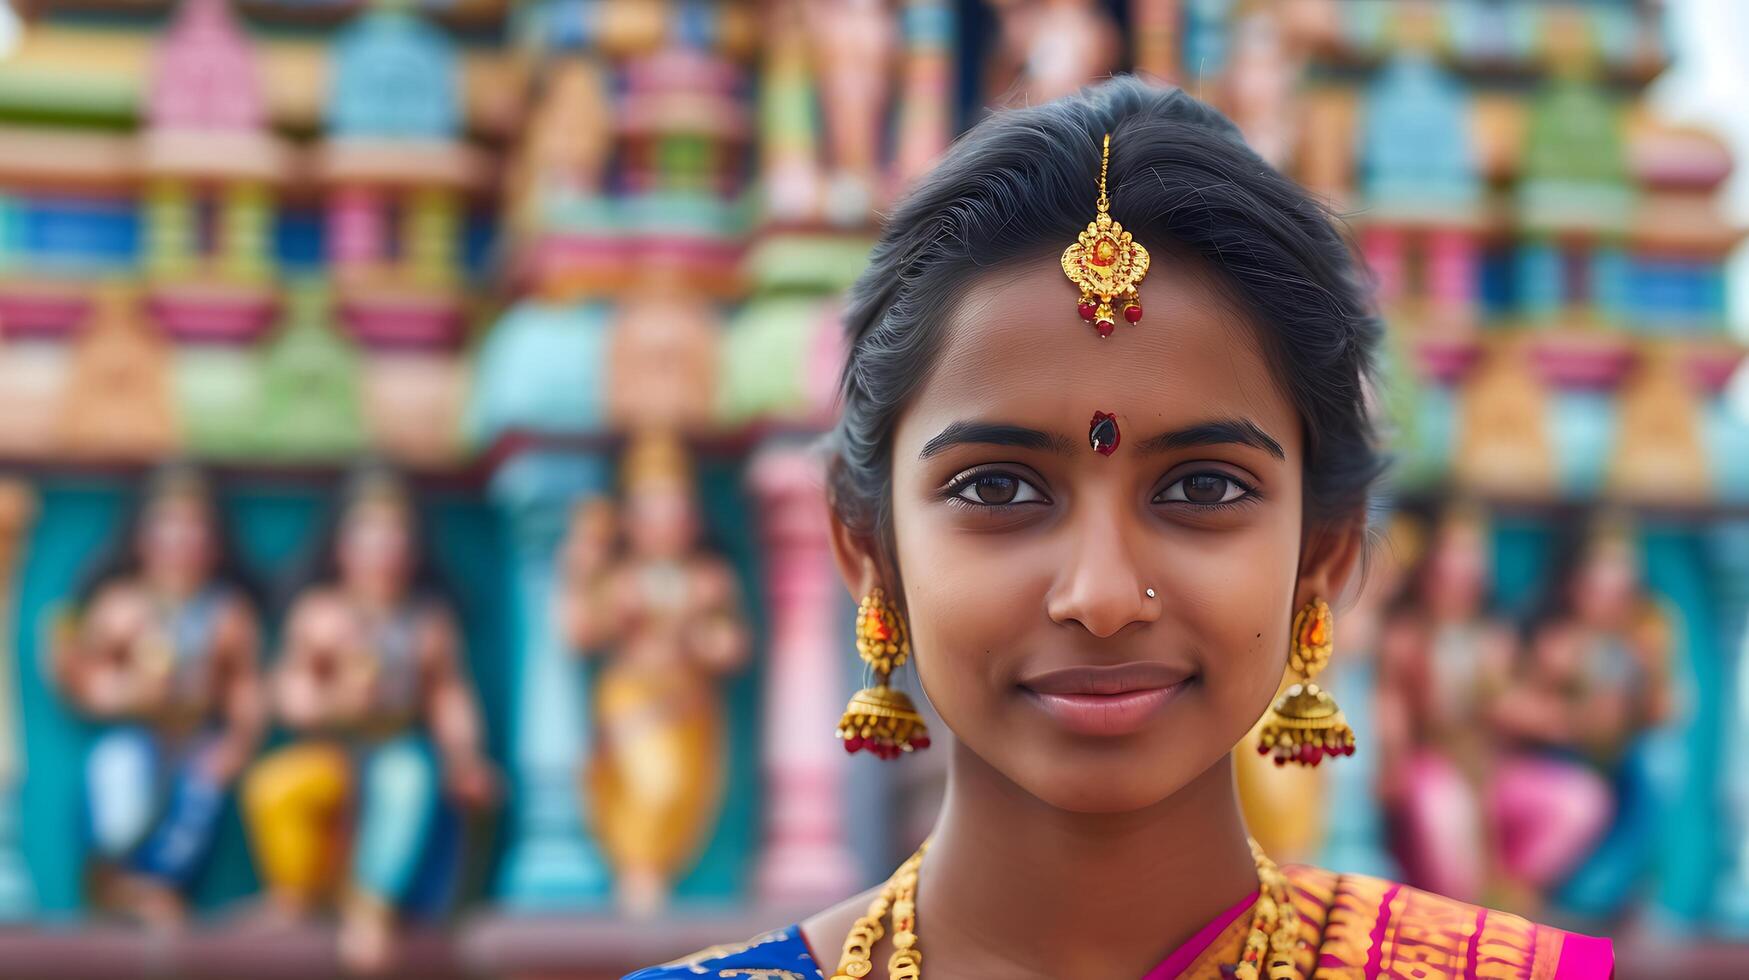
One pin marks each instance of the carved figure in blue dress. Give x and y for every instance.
(159, 651)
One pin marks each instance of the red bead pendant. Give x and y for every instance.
(1105, 327)
(1132, 313)
(1086, 310)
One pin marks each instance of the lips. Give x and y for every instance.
(1113, 700)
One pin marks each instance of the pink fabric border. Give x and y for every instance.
(1585, 958)
(1183, 956)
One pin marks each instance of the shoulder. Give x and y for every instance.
(780, 954)
(1360, 920)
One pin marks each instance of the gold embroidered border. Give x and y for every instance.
(1425, 936)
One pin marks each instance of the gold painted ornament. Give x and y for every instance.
(1305, 725)
(879, 718)
(1106, 264)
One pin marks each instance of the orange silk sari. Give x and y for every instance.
(1362, 928)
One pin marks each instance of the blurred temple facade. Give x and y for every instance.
(470, 325)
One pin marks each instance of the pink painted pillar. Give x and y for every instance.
(806, 857)
(358, 232)
(1383, 246)
(1452, 271)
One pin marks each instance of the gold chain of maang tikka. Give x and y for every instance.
(1273, 939)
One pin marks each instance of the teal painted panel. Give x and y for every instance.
(1684, 860)
(1523, 550)
(74, 520)
(1675, 863)
(271, 526)
(724, 870)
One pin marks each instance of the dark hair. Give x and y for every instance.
(1022, 184)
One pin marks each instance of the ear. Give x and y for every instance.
(854, 553)
(1331, 555)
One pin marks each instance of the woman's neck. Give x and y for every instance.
(1014, 887)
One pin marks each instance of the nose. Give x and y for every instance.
(1100, 586)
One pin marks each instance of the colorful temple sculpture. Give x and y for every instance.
(395, 180)
(1551, 258)
(369, 804)
(159, 648)
(567, 275)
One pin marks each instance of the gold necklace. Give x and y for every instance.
(1274, 935)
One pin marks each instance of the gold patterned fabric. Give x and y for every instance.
(1357, 927)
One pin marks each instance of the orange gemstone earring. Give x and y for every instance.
(1305, 725)
(1105, 263)
(879, 718)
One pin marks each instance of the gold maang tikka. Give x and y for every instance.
(1106, 263)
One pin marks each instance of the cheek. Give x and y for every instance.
(1231, 597)
(970, 599)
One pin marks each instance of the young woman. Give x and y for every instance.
(1103, 485)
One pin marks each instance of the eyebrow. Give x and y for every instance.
(1215, 432)
(995, 434)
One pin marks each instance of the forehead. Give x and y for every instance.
(1017, 351)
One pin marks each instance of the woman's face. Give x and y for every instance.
(1025, 554)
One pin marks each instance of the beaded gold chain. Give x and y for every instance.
(1274, 935)
(900, 895)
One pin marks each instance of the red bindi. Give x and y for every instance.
(1102, 433)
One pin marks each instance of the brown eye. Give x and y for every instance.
(1204, 488)
(997, 490)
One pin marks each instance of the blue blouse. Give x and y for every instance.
(781, 954)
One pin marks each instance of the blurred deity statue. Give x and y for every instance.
(365, 806)
(1049, 48)
(1443, 659)
(159, 650)
(1258, 91)
(1595, 679)
(664, 614)
(854, 44)
(562, 161)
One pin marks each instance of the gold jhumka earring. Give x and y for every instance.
(1305, 725)
(879, 718)
(1105, 263)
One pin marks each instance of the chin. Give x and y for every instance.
(1110, 779)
